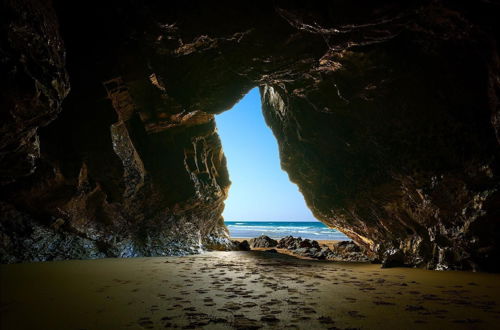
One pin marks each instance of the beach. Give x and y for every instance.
(242, 290)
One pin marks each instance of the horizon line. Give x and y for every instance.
(273, 220)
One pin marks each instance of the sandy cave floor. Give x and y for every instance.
(242, 290)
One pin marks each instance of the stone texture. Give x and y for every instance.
(350, 251)
(262, 241)
(34, 82)
(243, 246)
(341, 251)
(386, 115)
(393, 143)
(347, 246)
(289, 242)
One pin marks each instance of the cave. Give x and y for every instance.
(386, 115)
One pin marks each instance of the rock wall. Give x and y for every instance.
(386, 116)
(102, 180)
(394, 143)
(33, 85)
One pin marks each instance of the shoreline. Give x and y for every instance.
(312, 230)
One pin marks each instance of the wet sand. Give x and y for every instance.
(242, 290)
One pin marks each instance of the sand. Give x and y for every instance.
(327, 243)
(242, 290)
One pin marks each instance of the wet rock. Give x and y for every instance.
(243, 246)
(289, 243)
(297, 245)
(324, 253)
(262, 242)
(218, 243)
(350, 251)
(305, 248)
(314, 253)
(347, 246)
(304, 252)
(307, 243)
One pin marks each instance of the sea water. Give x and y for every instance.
(278, 229)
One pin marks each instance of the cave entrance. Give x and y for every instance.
(262, 200)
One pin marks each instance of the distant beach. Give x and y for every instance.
(278, 229)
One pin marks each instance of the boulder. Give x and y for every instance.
(349, 251)
(323, 254)
(263, 241)
(289, 243)
(303, 252)
(307, 243)
(243, 246)
(348, 246)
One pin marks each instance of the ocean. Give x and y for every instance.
(279, 229)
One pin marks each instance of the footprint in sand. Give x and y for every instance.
(249, 304)
(146, 323)
(232, 306)
(384, 303)
(325, 320)
(307, 310)
(355, 314)
(269, 319)
(241, 322)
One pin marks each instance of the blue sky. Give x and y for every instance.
(260, 190)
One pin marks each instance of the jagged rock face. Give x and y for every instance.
(107, 182)
(262, 241)
(394, 143)
(386, 116)
(34, 82)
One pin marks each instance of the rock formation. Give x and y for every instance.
(263, 241)
(338, 251)
(241, 246)
(386, 114)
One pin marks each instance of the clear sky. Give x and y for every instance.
(260, 190)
